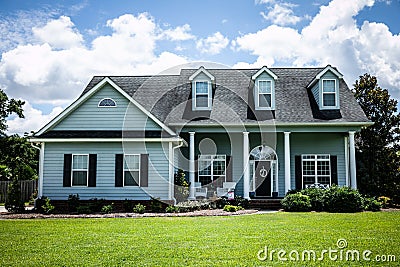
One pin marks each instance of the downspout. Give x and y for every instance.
(180, 144)
(40, 174)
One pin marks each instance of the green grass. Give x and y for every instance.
(195, 241)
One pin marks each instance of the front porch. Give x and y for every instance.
(267, 167)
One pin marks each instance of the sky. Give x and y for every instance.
(51, 49)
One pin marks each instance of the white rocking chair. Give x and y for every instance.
(200, 191)
(226, 187)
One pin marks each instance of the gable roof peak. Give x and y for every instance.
(322, 72)
(264, 69)
(202, 70)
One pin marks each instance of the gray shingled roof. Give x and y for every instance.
(166, 96)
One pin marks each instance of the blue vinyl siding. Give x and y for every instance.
(88, 116)
(105, 180)
(315, 92)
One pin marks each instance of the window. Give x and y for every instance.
(316, 169)
(107, 102)
(80, 165)
(211, 167)
(131, 170)
(264, 98)
(202, 95)
(329, 93)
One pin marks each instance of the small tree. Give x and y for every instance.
(8, 107)
(378, 163)
(14, 202)
(181, 186)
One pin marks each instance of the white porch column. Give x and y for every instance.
(346, 159)
(352, 152)
(191, 166)
(246, 174)
(287, 161)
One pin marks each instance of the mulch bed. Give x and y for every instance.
(216, 212)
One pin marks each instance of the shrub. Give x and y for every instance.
(39, 203)
(128, 205)
(107, 208)
(96, 205)
(14, 202)
(84, 209)
(171, 209)
(139, 208)
(316, 198)
(232, 208)
(73, 202)
(189, 206)
(47, 206)
(181, 186)
(342, 199)
(237, 201)
(385, 201)
(296, 202)
(371, 204)
(156, 205)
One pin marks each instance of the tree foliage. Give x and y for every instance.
(378, 161)
(19, 160)
(8, 107)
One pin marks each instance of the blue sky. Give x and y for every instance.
(50, 49)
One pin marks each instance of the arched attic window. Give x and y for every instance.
(107, 102)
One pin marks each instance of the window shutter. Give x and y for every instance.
(298, 172)
(119, 170)
(334, 171)
(228, 171)
(196, 170)
(92, 170)
(144, 170)
(67, 170)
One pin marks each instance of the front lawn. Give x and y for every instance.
(199, 241)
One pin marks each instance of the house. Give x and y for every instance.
(266, 130)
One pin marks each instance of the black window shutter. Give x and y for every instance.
(92, 170)
(119, 169)
(334, 171)
(298, 172)
(67, 170)
(228, 171)
(196, 170)
(144, 170)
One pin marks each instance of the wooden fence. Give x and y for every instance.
(27, 189)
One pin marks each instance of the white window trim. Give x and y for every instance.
(329, 93)
(209, 98)
(257, 93)
(315, 159)
(72, 170)
(211, 158)
(98, 105)
(123, 171)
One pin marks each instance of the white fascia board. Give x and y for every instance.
(325, 70)
(201, 70)
(264, 69)
(96, 88)
(297, 124)
(96, 140)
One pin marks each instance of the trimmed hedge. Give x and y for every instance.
(333, 199)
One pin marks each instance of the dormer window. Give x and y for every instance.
(202, 98)
(264, 94)
(329, 93)
(107, 102)
(202, 82)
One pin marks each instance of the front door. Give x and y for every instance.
(262, 177)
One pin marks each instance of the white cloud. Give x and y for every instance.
(281, 14)
(180, 33)
(33, 121)
(60, 34)
(212, 44)
(332, 37)
(55, 69)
